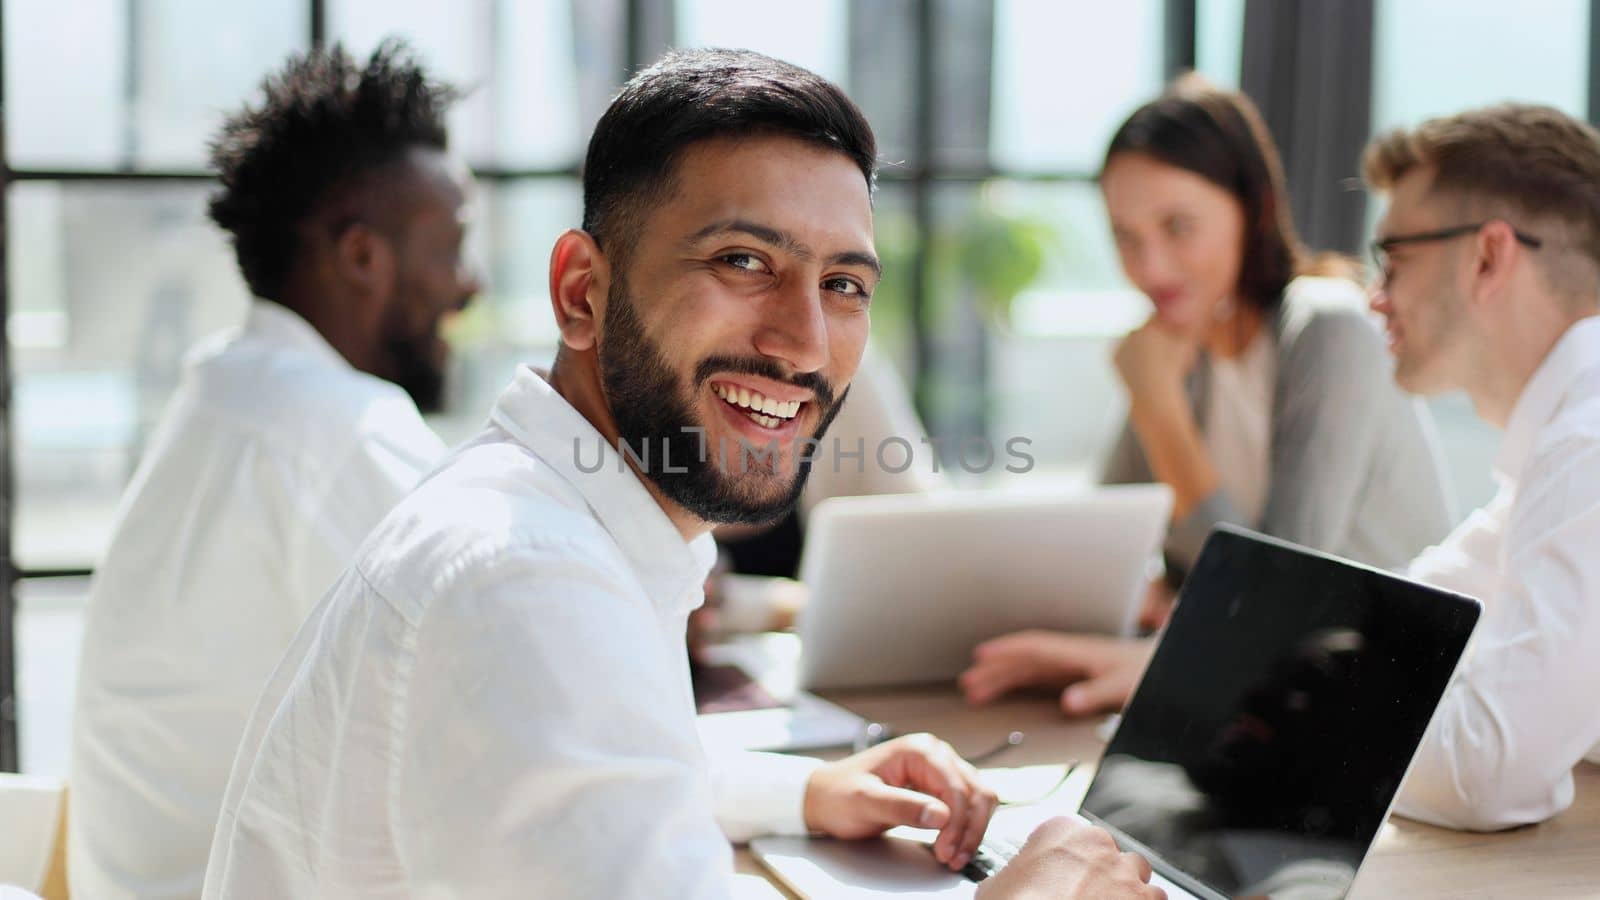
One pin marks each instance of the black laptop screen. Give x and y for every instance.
(1265, 744)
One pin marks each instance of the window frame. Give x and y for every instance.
(648, 30)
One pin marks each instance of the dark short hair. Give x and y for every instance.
(1219, 135)
(696, 95)
(324, 122)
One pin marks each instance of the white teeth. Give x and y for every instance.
(759, 407)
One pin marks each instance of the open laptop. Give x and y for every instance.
(903, 587)
(1261, 752)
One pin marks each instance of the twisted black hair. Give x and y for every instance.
(325, 122)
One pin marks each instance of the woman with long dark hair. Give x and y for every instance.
(1258, 390)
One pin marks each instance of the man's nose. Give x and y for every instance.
(1378, 299)
(795, 328)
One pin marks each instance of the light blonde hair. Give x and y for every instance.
(1535, 165)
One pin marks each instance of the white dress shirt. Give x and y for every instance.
(494, 700)
(273, 461)
(1501, 750)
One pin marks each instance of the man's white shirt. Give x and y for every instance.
(494, 701)
(274, 459)
(1501, 750)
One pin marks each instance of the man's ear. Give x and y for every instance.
(580, 277)
(366, 260)
(1495, 250)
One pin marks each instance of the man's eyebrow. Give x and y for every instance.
(784, 241)
(764, 233)
(858, 258)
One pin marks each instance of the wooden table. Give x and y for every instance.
(1559, 859)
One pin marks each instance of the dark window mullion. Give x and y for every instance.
(1594, 62)
(9, 761)
(319, 23)
(922, 81)
(31, 574)
(1178, 34)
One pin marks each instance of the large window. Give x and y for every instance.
(1025, 296)
(815, 35)
(110, 283)
(1002, 296)
(1433, 57)
(114, 271)
(109, 84)
(1218, 40)
(1536, 51)
(1042, 46)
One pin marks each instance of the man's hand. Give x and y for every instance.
(915, 780)
(1066, 859)
(1100, 671)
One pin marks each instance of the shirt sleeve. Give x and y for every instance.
(1503, 743)
(547, 745)
(760, 793)
(1467, 560)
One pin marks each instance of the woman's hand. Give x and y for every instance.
(1153, 361)
(1099, 671)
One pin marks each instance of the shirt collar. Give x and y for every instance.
(281, 325)
(1575, 353)
(673, 571)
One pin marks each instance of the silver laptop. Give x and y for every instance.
(1261, 752)
(903, 587)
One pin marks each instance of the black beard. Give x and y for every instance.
(653, 416)
(416, 373)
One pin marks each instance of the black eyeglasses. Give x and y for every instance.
(1380, 249)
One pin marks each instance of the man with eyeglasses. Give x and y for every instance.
(1489, 279)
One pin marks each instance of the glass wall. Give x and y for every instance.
(1002, 296)
(1024, 259)
(108, 84)
(1535, 51)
